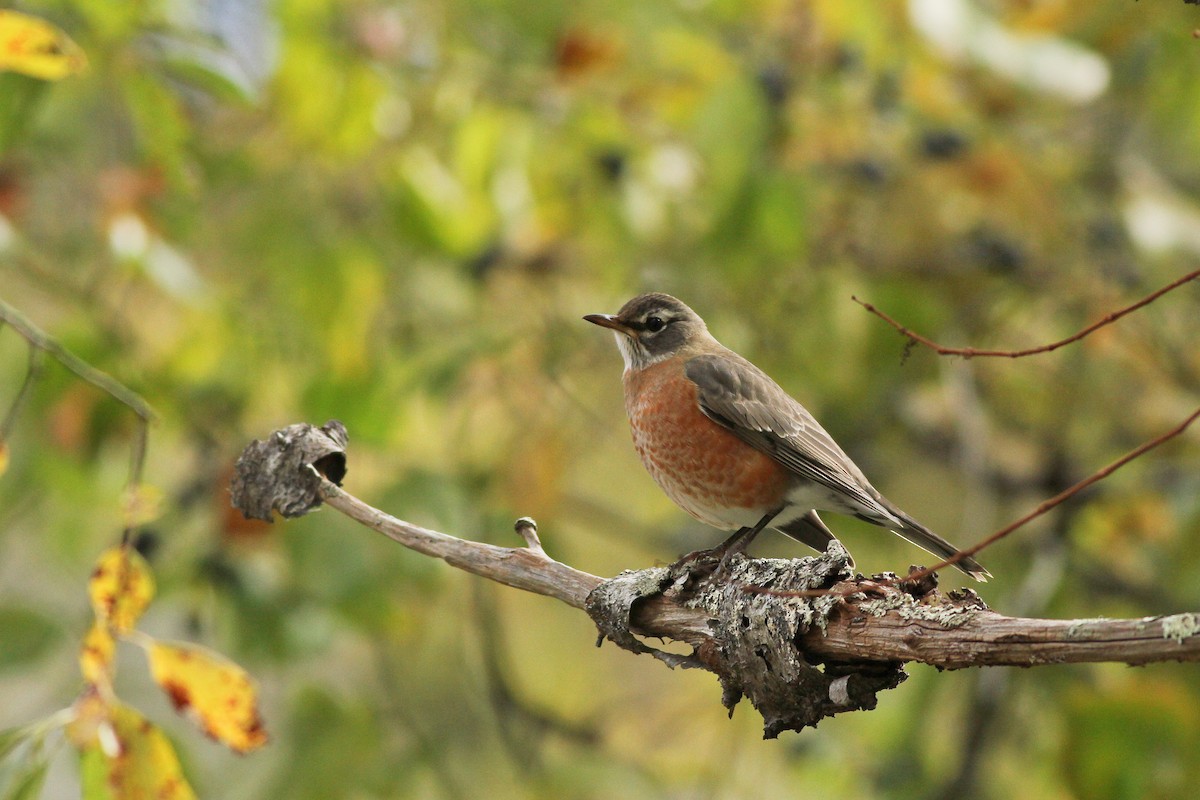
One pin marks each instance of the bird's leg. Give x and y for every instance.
(737, 543)
(741, 539)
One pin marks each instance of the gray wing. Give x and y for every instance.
(738, 395)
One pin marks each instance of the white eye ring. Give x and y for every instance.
(654, 323)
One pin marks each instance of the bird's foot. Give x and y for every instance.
(701, 563)
(714, 562)
(724, 565)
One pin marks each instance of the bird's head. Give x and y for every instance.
(652, 327)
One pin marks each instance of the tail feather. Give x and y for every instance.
(810, 530)
(929, 541)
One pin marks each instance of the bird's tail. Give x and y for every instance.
(929, 541)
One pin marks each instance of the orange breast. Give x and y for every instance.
(710, 473)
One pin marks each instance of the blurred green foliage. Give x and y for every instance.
(394, 213)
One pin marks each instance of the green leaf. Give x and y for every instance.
(161, 125)
(29, 785)
(10, 739)
(27, 636)
(19, 98)
(211, 81)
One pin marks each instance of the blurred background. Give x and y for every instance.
(395, 214)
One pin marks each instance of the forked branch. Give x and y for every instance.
(797, 658)
(42, 344)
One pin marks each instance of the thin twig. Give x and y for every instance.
(85, 371)
(1060, 497)
(40, 342)
(31, 375)
(137, 460)
(971, 352)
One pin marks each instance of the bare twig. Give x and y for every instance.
(519, 567)
(81, 368)
(526, 527)
(972, 352)
(42, 341)
(1060, 497)
(31, 374)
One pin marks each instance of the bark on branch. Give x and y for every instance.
(797, 654)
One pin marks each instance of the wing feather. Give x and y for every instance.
(739, 396)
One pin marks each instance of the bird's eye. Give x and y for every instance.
(655, 324)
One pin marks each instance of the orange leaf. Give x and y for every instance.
(131, 758)
(120, 588)
(35, 47)
(218, 694)
(3, 456)
(96, 656)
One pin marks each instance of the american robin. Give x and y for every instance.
(731, 447)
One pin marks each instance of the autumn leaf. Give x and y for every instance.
(218, 694)
(3, 456)
(129, 758)
(34, 47)
(96, 655)
(121, 587)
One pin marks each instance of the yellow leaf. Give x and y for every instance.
(34, 47)
(218, 694)
(141, 504)
(121, 587)
(3, 456)
(131, 758)
(96, 656)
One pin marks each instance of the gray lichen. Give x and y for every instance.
(946, 614)
(611, 604)
(275, 475)
(756, 626)
(1180, 626)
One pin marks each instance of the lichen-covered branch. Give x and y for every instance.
(801, 639)
(894, 629)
